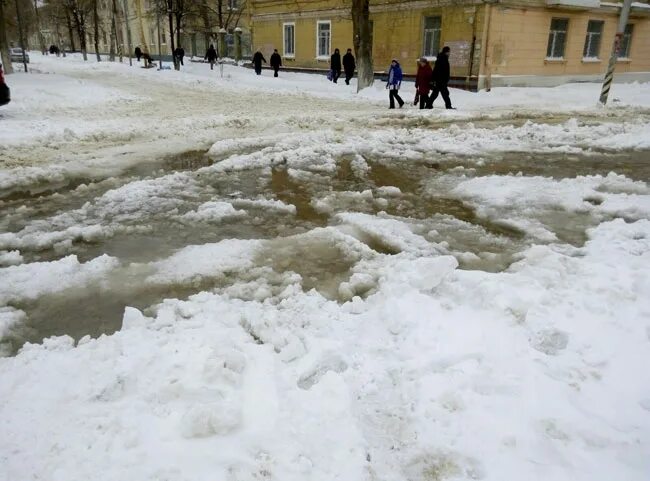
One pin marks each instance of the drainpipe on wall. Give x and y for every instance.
(472, 49)
(486, 63)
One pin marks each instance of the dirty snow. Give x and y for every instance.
(341, 323)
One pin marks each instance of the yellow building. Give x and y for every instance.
(508, 42)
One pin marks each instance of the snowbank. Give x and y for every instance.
(523, 374)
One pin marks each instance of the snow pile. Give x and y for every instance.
(29, 281)
(213, 211)
(439, 374)
(520, 199)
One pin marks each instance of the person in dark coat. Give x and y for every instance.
(179, 53)
(258, 58)
(211, 56)
(441, 74)
(348, 66)
(276, 62)
(138, 53)
(394, 83)
(423, 81)
(335, 65)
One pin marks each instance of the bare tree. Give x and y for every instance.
(70, 29)
(4, 44)
(362, 29)
(96, 28)
(41, 39)
(78, 10)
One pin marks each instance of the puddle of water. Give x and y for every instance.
(97, 309)
(632, 164)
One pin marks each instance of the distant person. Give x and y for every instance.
(348, 66)
(276, 62)
(394, 83)
(179, 53)
(335, 65)
(423, 82)
(258, 58)
(441, 74)
(148, 61)
(138, 53)
(211, 56)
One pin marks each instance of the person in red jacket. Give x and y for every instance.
(423, 82)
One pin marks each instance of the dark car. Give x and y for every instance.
(5, 94)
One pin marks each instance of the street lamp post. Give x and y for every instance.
(609, 75)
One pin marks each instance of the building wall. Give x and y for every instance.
(514, 31)
(398, 31)
(518, 39)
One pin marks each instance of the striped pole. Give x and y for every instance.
(609, 76)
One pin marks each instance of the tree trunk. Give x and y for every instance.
(59, 39)
(111, 52)
(205, 15)
(96, 29)
(4, 45)
(179, 19)
(114, 31)
(70, 30)
(362, 29)
(37, 17)
(170, 16)
(79, 18)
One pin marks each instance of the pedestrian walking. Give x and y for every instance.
(348, 66)
(258, 58)
(148, 61)
(423, 81)
(394, 83)
(179, 53)
(276, 62)
(138, 53)
(211, 56)
(441, 74)
(335, 65)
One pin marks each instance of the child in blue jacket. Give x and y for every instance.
(394, 83)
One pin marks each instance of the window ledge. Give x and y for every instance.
(289, 57)
(623, 60)
(323, 58)
(591, 60)
(554, 60)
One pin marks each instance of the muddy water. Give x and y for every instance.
(441, 219)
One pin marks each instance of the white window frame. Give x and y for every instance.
(329, 46)
(233, 5)
(554, 33)
(431, 55)
(284, 40)
(589, 39)
(163, 37)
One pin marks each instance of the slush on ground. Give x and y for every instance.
(233, 277)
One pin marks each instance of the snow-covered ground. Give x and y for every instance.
(296, 283)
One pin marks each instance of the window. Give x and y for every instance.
(323, 34)
(592, 41)
(152, 32)
(233, 4)
(289, 39)
(431, 36)
(557, 38)
(626, 41)
(104, 38)
(163, 38)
